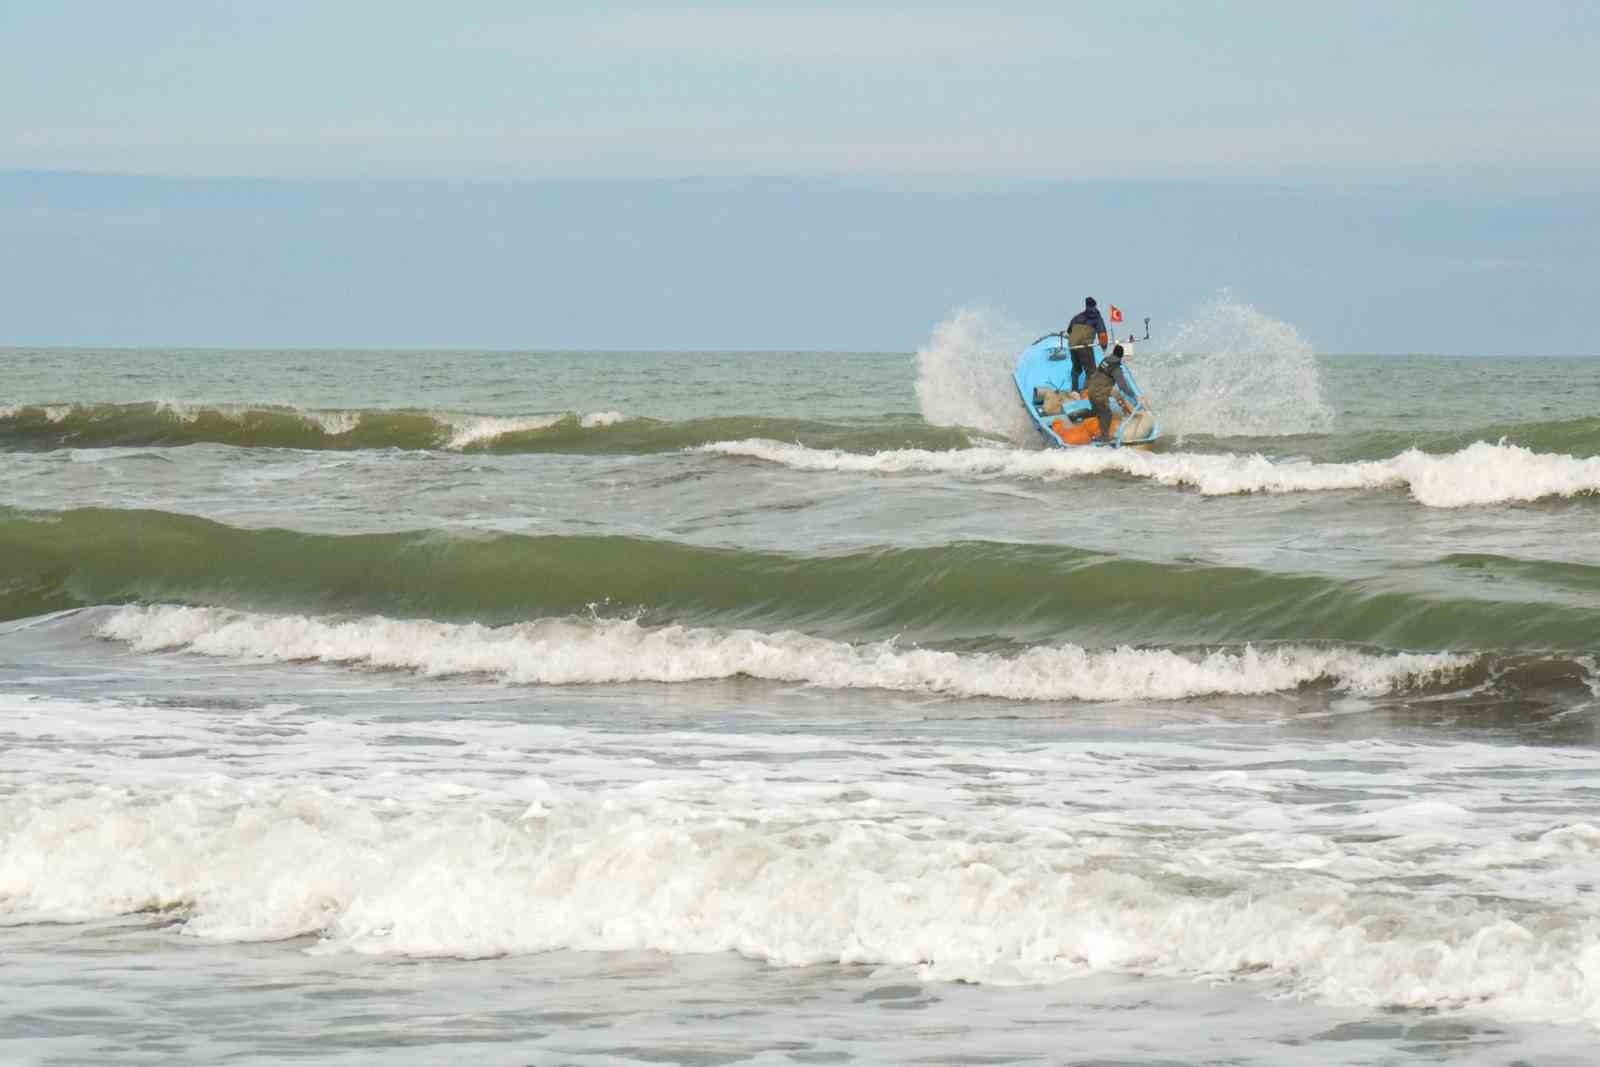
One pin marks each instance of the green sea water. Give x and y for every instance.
(717, 707)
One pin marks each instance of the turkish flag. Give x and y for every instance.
(1116, 313)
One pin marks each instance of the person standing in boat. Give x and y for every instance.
(1085, 328)
(1102, 380)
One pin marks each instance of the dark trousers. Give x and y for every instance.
(1100, 404)
(1082, 366)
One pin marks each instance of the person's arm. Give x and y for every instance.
(1127, 387)
(1100, 332)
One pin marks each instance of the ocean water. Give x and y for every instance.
(798, 708)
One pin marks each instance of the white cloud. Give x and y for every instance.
(720, 142)
(755, 36)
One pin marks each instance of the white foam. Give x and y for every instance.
(1484, 473)
(1480, 474)
(1232, 371)
(477, 429)
(569, 651)
(333, 423)
(179, 411)
(964, 375)
(471, 430)
(679, 866)
(1362, 871)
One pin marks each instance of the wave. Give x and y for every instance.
(1578, 438)
(43, 427)
(963, 592)
(578, 651)
(1479, 474)
(835, 877)
(158, 424)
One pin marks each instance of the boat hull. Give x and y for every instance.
(1043, 374)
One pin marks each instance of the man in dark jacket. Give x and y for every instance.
(1106, 376)
(1085, 328)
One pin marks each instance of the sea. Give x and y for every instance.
(712, 708)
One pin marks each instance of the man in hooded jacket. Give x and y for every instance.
(1085, 328)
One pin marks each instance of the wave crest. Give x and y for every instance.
(1480, 474)
(165, 423)
(571, 651)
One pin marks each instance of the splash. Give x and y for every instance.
(1230, 371)
(964, 375)
(1233, 371)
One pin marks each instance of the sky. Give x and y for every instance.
(825, 175)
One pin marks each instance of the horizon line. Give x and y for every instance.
(669, 351)
(1373, 178)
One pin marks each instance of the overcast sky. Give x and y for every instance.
(1437, 129)
(491, 87)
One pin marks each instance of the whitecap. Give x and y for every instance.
(585, 651)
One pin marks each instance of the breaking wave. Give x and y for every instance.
(854, 872)
(578, 651)
(161, 424)
(993, 594)
(1479, 474)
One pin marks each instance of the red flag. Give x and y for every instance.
(1116, 313)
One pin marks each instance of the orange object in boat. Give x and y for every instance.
(1080, 433)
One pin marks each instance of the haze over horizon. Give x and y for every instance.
(1385, 177)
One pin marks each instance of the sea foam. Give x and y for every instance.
(467, 431)
(862, 879)
(475, 430)
(1354, 871)
(333, 423)
(1480, 474)
(588, 651)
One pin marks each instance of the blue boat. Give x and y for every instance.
(1043, 377)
